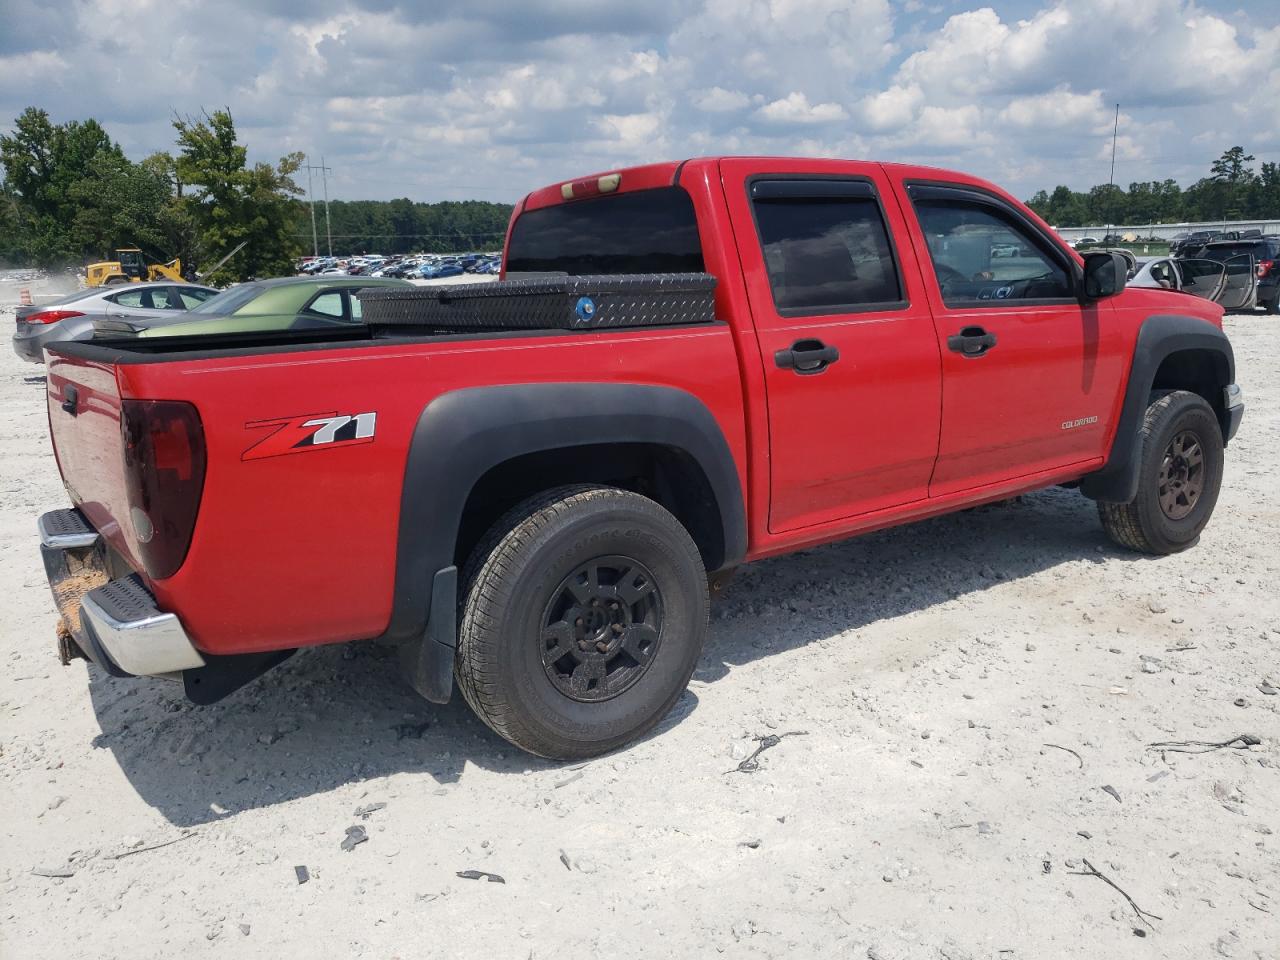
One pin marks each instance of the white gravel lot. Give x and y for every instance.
(943, 675)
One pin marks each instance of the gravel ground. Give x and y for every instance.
(972, 700)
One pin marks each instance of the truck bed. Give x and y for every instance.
(305, 545)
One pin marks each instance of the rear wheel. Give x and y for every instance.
(1179, 477)
(584, 615)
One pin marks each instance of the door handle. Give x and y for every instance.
(806, 357)
(971, 342)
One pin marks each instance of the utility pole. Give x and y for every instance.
(324, 177)
(311, 200)
(1112, 182)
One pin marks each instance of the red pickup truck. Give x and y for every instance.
(541, 510)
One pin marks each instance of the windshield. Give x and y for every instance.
(229, 301)
(648, 231)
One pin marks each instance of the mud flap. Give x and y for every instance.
(222, 676)
(428, 662)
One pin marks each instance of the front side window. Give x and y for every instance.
(980, 255)
(646, 231)
(826, 253)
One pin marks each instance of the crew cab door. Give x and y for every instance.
(1029, 374)
(846, 340)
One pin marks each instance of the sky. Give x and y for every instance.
(460, 100)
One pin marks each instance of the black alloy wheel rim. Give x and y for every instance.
(601, 629)
(1181, 475)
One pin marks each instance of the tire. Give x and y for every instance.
(1180, 441)
(545, 668)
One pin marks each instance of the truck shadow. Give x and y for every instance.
(334, 716)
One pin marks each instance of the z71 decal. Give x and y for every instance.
(311, 431)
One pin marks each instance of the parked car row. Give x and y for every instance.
(1239, 274)
(1188, 244)
(424, 266)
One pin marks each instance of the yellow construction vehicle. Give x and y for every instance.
(131, 267)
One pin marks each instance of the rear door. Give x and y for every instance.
(1029, 374)
(846, 341)
(1203, 278)
(139, 304)
(1239, 292)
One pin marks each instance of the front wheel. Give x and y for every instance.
(1179, 477)
(584, 615)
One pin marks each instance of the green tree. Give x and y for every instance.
(119, 204)
(43, 165)
(1230, 167)
(230, 200)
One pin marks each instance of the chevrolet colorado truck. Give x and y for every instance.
(539, 510)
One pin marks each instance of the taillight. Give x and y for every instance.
(164, 461)
(1265, 267)
(52, 316)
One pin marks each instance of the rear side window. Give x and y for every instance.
(327, 304)
(826, 249)
(133, 298)
(648, 231)
(193, 298)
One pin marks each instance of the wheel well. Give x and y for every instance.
(1205, 372)
(668, 475)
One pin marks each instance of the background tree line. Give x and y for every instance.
(1232, 191)
(402, 226)
(69, 195)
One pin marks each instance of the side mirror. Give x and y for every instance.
(1104, 274)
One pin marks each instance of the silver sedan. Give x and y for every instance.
(71, 317)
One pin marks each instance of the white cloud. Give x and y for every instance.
(435, 102)
(720, 100)
(795, 108)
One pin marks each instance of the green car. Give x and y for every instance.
(287, 303)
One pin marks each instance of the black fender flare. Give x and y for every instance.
(1159, 336)
(463, 434)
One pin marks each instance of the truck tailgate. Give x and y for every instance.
(84, 422)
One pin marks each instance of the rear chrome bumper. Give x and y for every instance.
(114, 622)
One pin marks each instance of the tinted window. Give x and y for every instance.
(648, 231)
(826, 252)
(979, 254)
(193, 297)
(133, 298)
(166, 298)
(327, 304)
